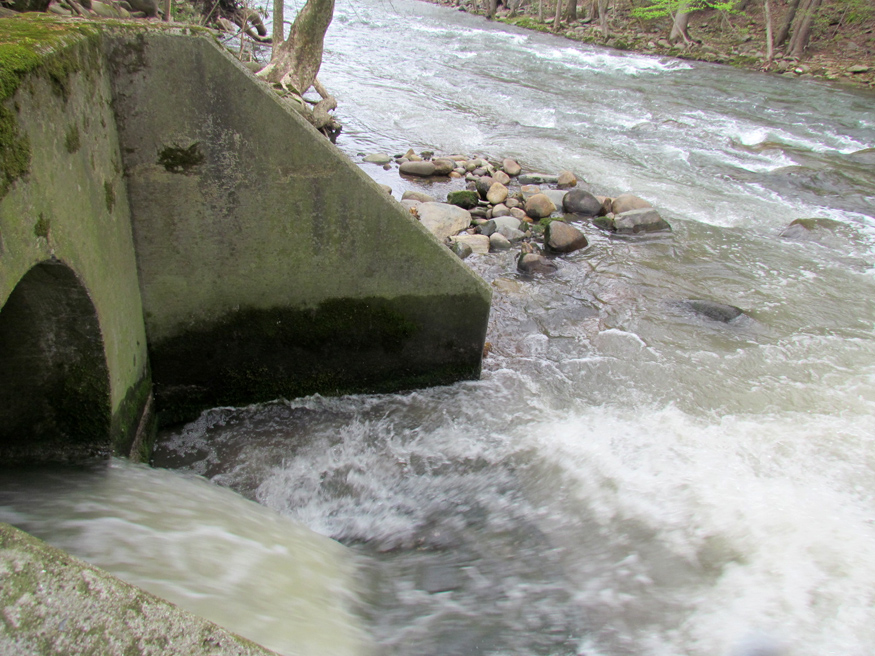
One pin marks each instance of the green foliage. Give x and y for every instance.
(661, 8)
(72, 142)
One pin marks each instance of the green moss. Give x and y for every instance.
(126, 421)
(176, 159)
(14, 151)
(72, 142)
(527, 22)
(42, 227)
(109, 196)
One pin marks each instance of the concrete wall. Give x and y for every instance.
(195, 214)
(68, 209)
(269, 264)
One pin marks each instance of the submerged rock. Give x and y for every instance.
(377, 158)
(538, 178)
(534, 263)
(713, 310)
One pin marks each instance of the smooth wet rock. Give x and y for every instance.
(483, 185)
(498, 242)
(497, 193)
(500, 210)
(578, 201)
(511, 167)
(478, 243)
(422, 169)
(540, 206)
(465, 199)
(538, 179)
(421, 196)
(377, 158)
(443, 166)
(626, 202)
(386, 188)
(518, 213)
(566, 180)
(502, 177)
(534, 263)
(511, 234)
(713, 310)
(442, 219)
(528, 191)
(559, 237)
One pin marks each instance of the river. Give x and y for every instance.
(627, 478)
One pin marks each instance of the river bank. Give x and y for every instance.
(843, 53)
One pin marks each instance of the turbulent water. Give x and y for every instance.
(627, 477)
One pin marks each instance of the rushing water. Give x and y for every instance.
(627, 478)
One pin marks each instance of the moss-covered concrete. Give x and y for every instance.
(203, 218)
(269, 264)
(52, 603)
(56, 216)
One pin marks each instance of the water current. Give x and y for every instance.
(628, 477)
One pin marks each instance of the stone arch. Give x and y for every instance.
(54, 382)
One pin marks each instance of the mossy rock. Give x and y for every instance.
(464, 199)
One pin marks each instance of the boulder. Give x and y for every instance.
(511, 167)
(559, 237)
(421, 168)
(477, 243)
(633, 222)
(465, 199)
(539, 206)
(714, 311)
(534, 263)
(518, 213)
(500, 210)
(626, 202)
(607, 203)
(443, 220)
(443, 166)
(498, 242)
(497, 193)
(377, 158)
(538, 179)
(502, 177)
(511, 234)
(578, 201)
(421, 196)
(566, 180)
(411, 205)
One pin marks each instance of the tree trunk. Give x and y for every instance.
(540, 11)
(558, 15)
(770, 48)
(167, 10)
(603, 17)
(299, 57)
(784, 30)
(802, 29)
(680, 26)
(278, 31)
(741, 5)
(571, 11)
(491, 9)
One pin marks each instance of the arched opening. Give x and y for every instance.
(54, 383)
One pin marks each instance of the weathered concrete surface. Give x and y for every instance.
(194, 214)
(269, 264)
(52, 603)
(74, 375)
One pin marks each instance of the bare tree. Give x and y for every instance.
(770, 48)
(680, 25)
(558, 15)
(802, 28)
(571, 11)
(789, 17)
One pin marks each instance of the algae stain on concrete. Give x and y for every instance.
(177, 159)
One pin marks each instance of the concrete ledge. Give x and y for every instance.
(52, 603)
